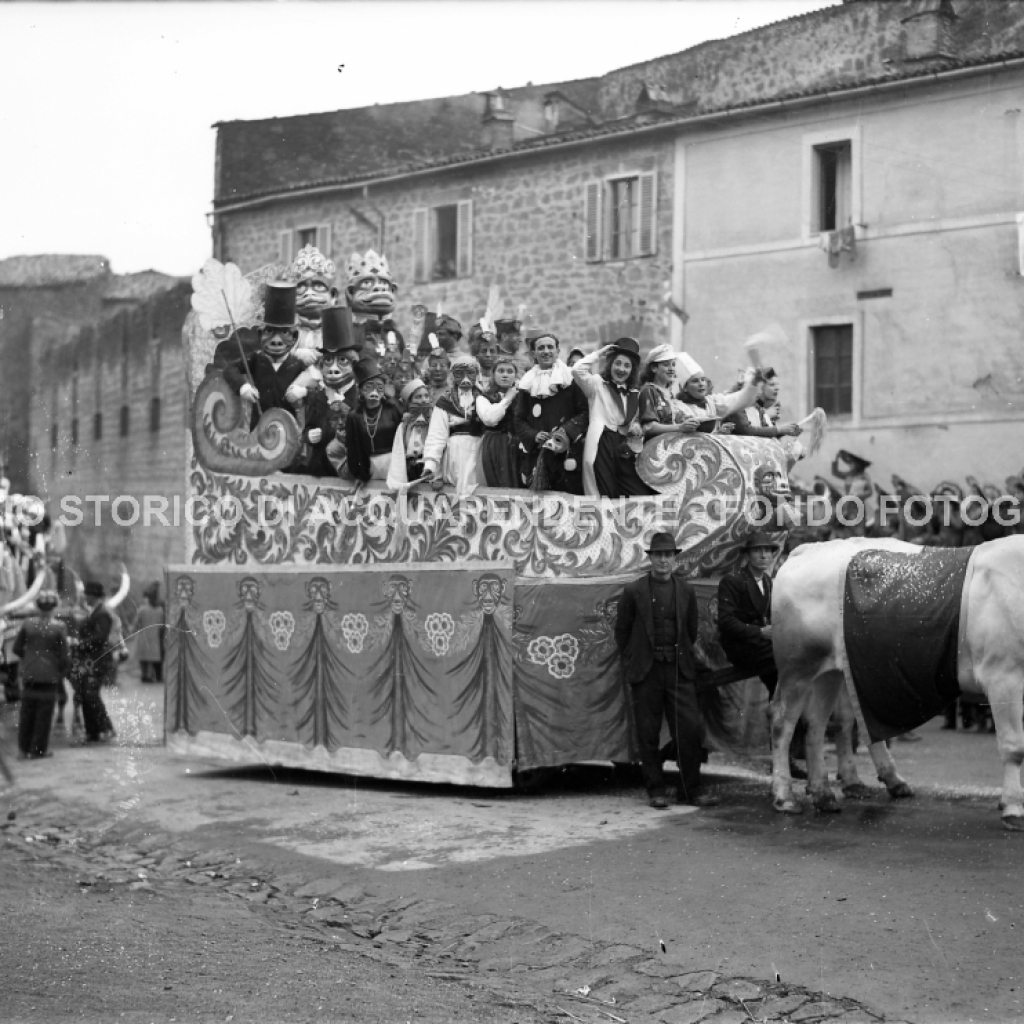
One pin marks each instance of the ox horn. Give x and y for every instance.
(28, 597)
(122, 591)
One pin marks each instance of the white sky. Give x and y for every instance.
(105, 109)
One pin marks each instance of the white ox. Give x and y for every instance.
(814, 679)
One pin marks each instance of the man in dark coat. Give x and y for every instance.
(745, 618)
(42, 645)
(94, 662)
(551, 418)
(655, 632)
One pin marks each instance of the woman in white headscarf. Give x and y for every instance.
(708, 410)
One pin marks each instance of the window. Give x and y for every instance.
(54, 436)
(97, 426)
(620, 218)
(154, 414)
(124, 420)
(291, 241)
(832, 360)
(443, 242)
(833, 168)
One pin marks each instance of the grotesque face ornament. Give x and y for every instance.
(249, 592)
(397, 590)
(277, 342)
(184, 590)
(489, 590)
(336, 369)
(313, 275)
(318, 590)
(771, 484)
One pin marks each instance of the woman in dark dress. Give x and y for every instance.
(499, 449)
(370, 428)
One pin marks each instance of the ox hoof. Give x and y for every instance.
(901, 791)
(826, 803)
(789, 806)
(858, 791)
(1014, 822)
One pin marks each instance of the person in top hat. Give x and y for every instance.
(745, 618)
(551, 413)
(265, 376)
(410, 439)
(94, 663)
(709, 410)
(614, 436)
(42, 645)
(370, 428)
(451, 453)
(655, 632)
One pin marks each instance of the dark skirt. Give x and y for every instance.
(499, 458)
(615, 468)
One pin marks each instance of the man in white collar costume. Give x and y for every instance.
(451, 453)
(551, 420)
(371, 294)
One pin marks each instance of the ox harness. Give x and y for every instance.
(901, 626)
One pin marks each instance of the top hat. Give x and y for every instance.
(628, 347)
(366, 369)
(94, 588)
(279, 304)
(845, 464)
(338, 335)
(662, 542)
(761, 540)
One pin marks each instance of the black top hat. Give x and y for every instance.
(366, 369)
(845, 464)
(761, 540)
(95, 589)
(338, 335)
(628, 347)
(661, 542)
(279, 304)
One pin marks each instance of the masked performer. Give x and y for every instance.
(551, 420)
(371, 297)
(614, 436)
(499, 450)
(437, 375)
(411, 438)
(371, 426)
(452, 452)
(313, 276)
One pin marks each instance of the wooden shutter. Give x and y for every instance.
(648, 234)
(465, 239)
(592, 222)
(323, 239)
(284, 247)
(419, 244)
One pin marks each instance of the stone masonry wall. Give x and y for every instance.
(528, 238)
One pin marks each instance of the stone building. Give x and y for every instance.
(98, 383)
(707, 183)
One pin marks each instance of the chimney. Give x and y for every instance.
(499, 122)
(552, 111)
(928, 31)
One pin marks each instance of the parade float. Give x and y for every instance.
(327, 625)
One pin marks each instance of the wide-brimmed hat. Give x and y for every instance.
(661, 542)
(366, 369)
(846, 464)
(93, 588)
(761, 540)
(628, 347)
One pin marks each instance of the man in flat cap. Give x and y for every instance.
(655, 632)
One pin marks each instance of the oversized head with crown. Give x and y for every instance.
(370, 289)
(313, 275)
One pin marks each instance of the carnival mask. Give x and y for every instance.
(336, 370)
(184, 591)
(249, 592)
(312, 297)
(489, 591)
(277, 342)
(372, 294)
(318, 590)
(769, 483)
(437, 370)
(398, 590)
(464, 376)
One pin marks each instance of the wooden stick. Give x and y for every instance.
(245, 364)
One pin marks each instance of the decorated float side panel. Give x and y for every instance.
(571, 699)
(397, 663)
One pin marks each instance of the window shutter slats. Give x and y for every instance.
(284, 247)
(323, 239)
(592, 222)
(419, 244)
(465, 238)
(648, 215)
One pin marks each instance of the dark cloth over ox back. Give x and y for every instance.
(901, 618)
